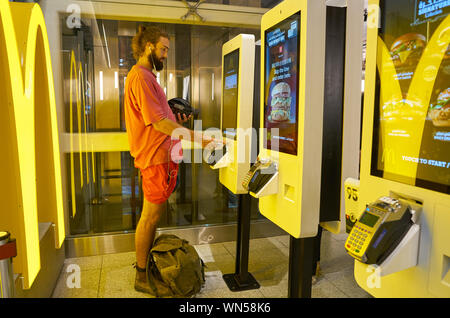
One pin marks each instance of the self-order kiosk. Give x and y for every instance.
(400, 239)
(286, 176)
(238, 130)
(238, 67)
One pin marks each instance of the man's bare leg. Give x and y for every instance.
(145, 234)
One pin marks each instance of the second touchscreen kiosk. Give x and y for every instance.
(401, 238)
(233, 160)
(286, 177)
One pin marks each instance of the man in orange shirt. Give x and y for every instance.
(150, 124)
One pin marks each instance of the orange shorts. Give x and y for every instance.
(158, 181)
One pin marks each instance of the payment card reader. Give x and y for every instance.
(217, 157)
(261, 178)
(379, 230)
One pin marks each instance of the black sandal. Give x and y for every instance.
(140, 270)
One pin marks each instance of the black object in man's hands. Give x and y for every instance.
(182, 106)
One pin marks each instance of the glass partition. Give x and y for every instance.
(103, 187)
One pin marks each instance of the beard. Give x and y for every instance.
(155, 61)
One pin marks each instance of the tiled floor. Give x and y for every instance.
(112, 276)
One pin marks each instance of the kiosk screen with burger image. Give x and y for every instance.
(281, 85)
(230, 93)
(411, 141)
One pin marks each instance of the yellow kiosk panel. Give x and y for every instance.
(238, 67)
(412, 113)
(405, 145)
(292, 64)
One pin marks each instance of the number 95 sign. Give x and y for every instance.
(351, 202)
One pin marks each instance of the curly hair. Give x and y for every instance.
(143, 36)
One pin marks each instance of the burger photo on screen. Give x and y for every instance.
(440, 112)
(281, 103)
(407, 49)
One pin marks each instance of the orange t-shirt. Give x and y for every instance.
(146, 103)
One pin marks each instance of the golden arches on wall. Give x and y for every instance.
(412, 105)
(32, 190)
(76, 80)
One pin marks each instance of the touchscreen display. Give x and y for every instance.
(230, 93)
(411, 141)
(368, 219)
(281, 85)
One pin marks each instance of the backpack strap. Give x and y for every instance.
(150, 268)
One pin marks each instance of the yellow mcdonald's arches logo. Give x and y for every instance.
(76, 80)
(31, 188)
(405, 114)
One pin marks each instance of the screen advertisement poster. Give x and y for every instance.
(281, 85)
(427, 10)
(411, 141)
(230, 94)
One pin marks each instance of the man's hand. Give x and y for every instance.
(212, 143)
(182, 120)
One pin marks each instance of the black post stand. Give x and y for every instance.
(242, 279)
(301, 254)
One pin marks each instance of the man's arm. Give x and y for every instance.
(167, 126)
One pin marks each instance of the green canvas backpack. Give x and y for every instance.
(174, 268)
